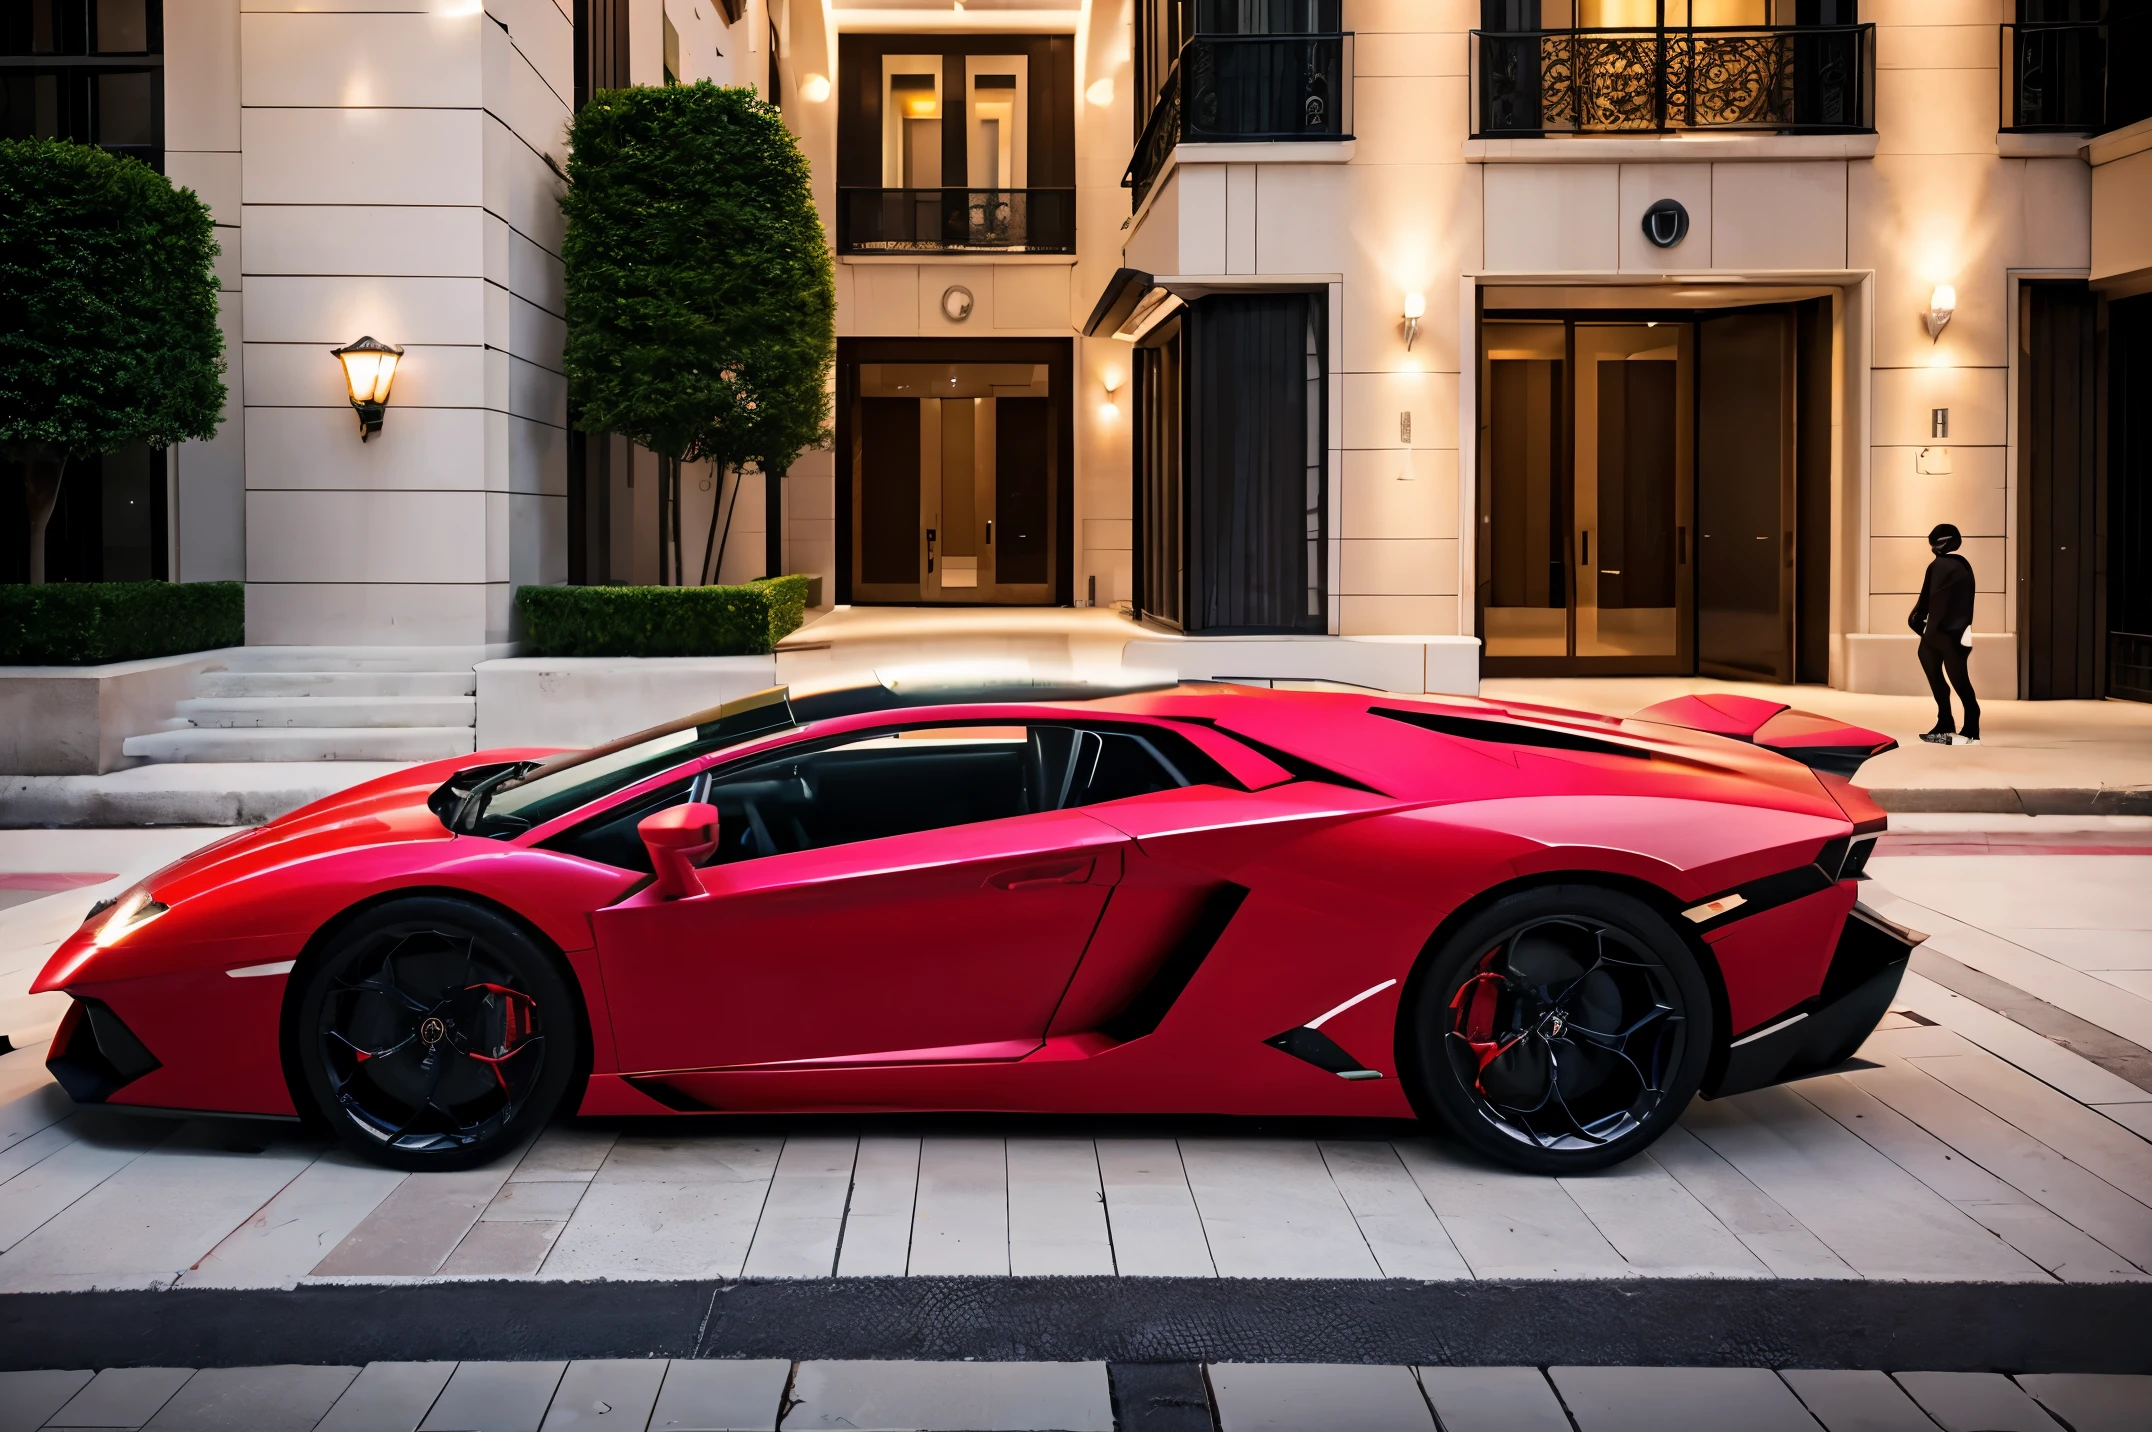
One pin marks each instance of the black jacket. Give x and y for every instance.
(1945, 607)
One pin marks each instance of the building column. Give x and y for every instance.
(396, 183)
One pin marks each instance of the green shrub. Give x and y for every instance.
(90, 623)
(746, 620)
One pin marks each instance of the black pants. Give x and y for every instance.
(1941, 656)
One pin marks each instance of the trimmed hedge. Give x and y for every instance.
(91, 623)
(747, 620)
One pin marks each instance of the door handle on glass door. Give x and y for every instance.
(1047, 872)
(989, 531)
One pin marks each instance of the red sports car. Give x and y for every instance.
(1543, 930)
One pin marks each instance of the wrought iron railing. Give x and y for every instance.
(1031, 221)
(1243, 89)
(1798, 79)
(2054, 76)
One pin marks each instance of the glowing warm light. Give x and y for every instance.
(814, 88)
(1415, 309)
(1112, 380)
(1108, 412)
(369, 369)
(1942, 304)
(921, 106)
(1101, 92)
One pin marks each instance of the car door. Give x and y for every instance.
(911, 896)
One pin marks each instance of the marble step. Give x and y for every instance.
(304, 743)
(336, 683)
(271, 712)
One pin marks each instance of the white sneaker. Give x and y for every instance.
(1965, 740)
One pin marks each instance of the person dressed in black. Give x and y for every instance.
(1944, 616)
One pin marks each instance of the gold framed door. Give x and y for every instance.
(1586, 488)
(954, 481)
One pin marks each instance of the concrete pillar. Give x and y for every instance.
(395, 182)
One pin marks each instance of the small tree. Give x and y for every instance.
(108, 314)
(701, 304)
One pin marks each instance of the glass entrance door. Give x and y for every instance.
(953, 483)
(1585, 492)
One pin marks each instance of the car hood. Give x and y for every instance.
(390, 808)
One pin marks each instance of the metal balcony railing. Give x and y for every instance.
(2054, 76)
(1788, 79)
(1024, 221)
(1246, 89)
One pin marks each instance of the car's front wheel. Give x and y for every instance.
(1559, 1030)
(433, 1033)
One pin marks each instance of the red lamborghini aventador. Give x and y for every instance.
(1541, 930)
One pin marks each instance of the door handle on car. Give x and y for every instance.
(1045, 872)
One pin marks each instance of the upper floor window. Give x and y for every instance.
(1236, 71)
(1626, 66)
(2076, 65)
(87, 70)
(956, 143)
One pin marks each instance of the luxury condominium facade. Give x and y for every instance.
(1642, 337)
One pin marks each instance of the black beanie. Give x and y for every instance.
(1945, 537)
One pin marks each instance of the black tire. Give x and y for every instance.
(1558, 1031)
(434, 1034)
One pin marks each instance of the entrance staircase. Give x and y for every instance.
(324, 703)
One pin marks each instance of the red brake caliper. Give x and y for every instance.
(516, 1026)
(1474, 1008)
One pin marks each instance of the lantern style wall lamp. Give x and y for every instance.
(1415, 310)
(1941, 305)
(369, 368)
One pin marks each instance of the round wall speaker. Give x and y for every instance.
(956, 299)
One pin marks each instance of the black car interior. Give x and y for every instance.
(864, 786)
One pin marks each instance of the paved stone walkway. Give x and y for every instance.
(707, 1396)
(1972, 1148)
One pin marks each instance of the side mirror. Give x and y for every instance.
(676, 838)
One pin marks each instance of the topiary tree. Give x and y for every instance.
(701, 303)
(108, 314)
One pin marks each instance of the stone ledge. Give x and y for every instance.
(75, 720)
(1670, 149)
(586, 700)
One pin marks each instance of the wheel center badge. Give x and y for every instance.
(1555, 1025)
(432, 1031)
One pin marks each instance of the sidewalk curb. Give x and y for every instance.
(2013, 800)
(1851, 1323)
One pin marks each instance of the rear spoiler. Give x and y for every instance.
(1818, 742)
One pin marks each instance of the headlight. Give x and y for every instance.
(134, 911)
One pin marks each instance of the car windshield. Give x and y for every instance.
(503, 801)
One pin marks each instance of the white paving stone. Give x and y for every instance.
(721, 1396)
(952, 1396)
(1289, 1397)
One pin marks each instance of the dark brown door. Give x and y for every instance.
(1745, 509)
(2061, 582)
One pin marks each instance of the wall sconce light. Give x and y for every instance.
(1112, 380)
(814, 88)
(1415, 309)
(1941, 305)
(369, 368)
(1100, 92)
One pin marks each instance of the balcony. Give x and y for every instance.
(956, 221)
(1785, 79)
(1247, 89)
(2075, 76)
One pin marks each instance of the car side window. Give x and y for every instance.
(887, 783)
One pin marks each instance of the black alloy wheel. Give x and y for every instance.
(1560, 1030)
(435, 1034)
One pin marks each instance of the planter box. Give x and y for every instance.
(73, 720)
(588, 700)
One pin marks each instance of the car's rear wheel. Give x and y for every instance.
(1559, 1030)
(434, 1033)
